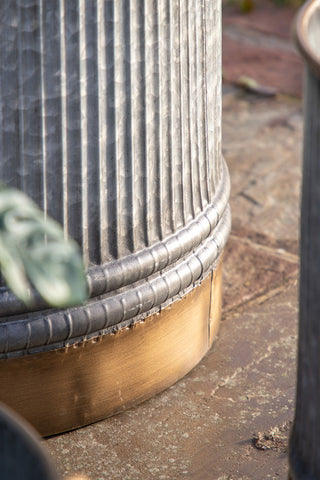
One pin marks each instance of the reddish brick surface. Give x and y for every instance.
(266, 17)
(259, 45)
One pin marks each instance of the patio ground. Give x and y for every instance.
(230, 417)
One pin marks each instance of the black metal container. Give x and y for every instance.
(304, 455)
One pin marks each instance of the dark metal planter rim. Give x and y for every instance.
(302, 34)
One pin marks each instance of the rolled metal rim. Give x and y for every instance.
(69, 387)
(122, 293)
(306, 30)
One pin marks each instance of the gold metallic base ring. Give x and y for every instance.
(66, 388)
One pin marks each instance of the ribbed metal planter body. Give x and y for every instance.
(111, 122)
(304, 455)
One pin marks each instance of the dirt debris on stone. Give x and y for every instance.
(274, 439)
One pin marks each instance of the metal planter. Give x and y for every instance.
(111, 122)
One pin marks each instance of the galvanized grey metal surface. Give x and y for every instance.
(111, 121)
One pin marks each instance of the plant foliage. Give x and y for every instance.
(35, 254)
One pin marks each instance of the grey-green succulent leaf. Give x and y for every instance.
(34, 253)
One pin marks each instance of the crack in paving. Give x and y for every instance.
(275, 252)
(250, 199)
(261, 297)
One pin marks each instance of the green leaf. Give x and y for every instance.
(34, 253)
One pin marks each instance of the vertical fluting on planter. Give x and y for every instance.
(111, 121)
(304, 453)
(111, 115)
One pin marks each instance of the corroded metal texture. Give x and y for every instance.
(111, 121)
(304, 451)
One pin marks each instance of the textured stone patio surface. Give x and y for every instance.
(230, 417)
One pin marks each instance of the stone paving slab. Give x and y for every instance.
(262, 141)
(252, 271)
(259, 45)
(256, 352)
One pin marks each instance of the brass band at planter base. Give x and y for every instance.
(66, 388)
